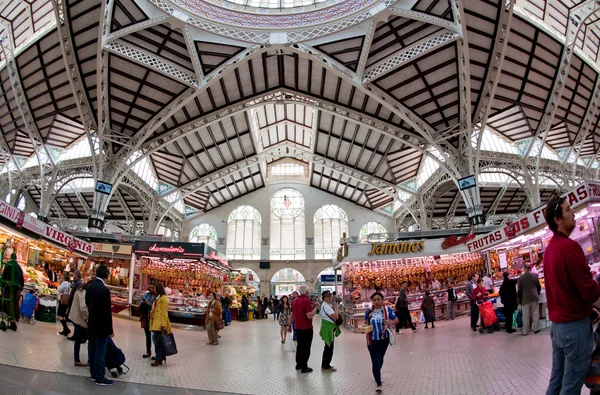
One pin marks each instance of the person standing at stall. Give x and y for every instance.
(529, 294)
(213, 316)
(571, 294)
(428, 308)
(380, 317)
(508, 297)
(474, 310)
(145, 310)
(64, 290)
(78, 315)
(159, 323)
(329, 330)
(301, 315)
(402, 310)
(100, 326)
(14, 283)
(451, 306)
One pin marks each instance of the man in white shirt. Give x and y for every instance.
(488, 284)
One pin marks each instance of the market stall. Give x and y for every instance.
(235, 285)
(426, 264)
(525, 239)
(118, 258)
(40, 249)
(187, 270)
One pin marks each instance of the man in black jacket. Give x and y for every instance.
(508, 297)
(100, 328)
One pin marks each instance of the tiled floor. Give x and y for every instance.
(450, 359)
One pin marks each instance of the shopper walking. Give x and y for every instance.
(244, 315)
(100, 327)
(64, 290)
(473, 306)
(380, 318)
(14, 283)
(529, 294)
(284, 317)
(571, 292)
(213, 317)
(159, 323)
(301, 315)
(402, 310)
(451, 305)
(265, 306)
(78, 315)
(276, 308)
(145, 309)
(428, 308)
(508, 297)
(329, 330)
(77, 284)
(225, 303)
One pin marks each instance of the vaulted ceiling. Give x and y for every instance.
(347, 88)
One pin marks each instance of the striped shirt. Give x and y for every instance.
(377, 320)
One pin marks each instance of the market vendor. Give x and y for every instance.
(13, 284)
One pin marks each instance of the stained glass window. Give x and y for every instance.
(372, 228)
(243, 233)
(330, 224)
(204, 233)
(287, 225)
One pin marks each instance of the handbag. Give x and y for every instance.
(144, 321)
(167, 342)
(219, 324)
(64, 299)
(391, 336)
(339, 320)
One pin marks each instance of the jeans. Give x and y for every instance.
(96, 355)
(148, 338)
(531, 316)
(377, 351)
(572, 347)
(80, 335)
(160, 353)
(474, 314)
(451, 309)
(305, 337)
(327, 356)
(404, 317)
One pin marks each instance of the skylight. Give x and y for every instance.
(144, 170)
(79, 149)
(179, 206)
(429, 166)
(494, 142)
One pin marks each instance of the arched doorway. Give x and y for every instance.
(286, 281)
(326, 281)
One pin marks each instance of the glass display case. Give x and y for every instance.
(182, 309)
(119, 298)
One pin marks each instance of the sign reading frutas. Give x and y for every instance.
(397, 248)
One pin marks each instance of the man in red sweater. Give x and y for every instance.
(571, 294)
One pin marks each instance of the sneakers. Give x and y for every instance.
(331, 369)
(104, 382)
(379, 388)
(538, 331)
(307, 370)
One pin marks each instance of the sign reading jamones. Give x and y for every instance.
(34, 225)
(576, 197)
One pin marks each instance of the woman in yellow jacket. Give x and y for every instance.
(159, 322)
(215, 311)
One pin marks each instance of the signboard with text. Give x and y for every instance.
(121, 249)
(589, 191)
(179, 249)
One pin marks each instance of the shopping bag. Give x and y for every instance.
(29, 303)
(289, 345)
(486, 310)
(168, 344)
(268, 311)
(392, 337)
(421, 317)
(519, 318)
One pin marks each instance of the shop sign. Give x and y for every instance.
(210, 254)
(454, 240)
(30, 223)
(106, 248)
(510, 230)
(330, 278)
(397, 248)
(166, 248)
(576, 197)
(65, 239)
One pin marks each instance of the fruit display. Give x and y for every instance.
(391, 274)
(182, 275)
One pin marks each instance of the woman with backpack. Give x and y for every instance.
(381, 318)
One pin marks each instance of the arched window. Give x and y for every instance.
(243, 233)
(287, 225)
(204, 233)
(330, 224)
(372, 228)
